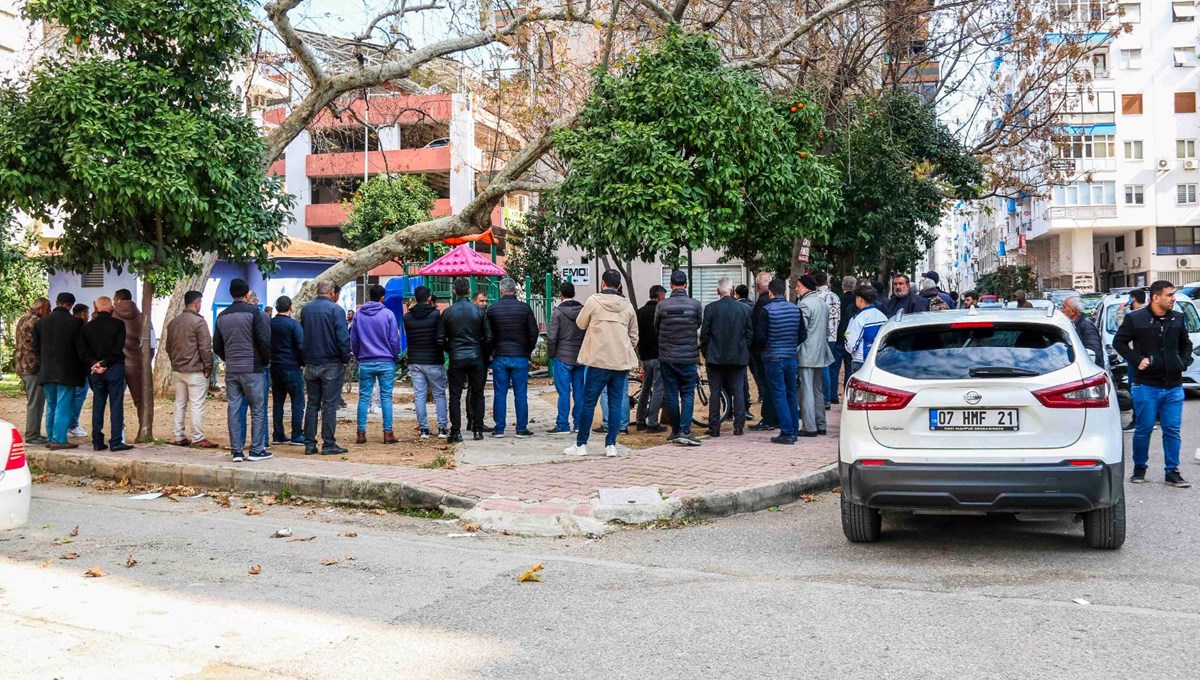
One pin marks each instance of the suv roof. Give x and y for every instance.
(1049, 316)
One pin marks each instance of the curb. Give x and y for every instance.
(761, 497)
(236, 478)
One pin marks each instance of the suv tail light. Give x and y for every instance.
(865, 396)
(1088, 393)
(16, 452)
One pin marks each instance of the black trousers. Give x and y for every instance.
(731, 380)
(471, 374)
(764, 394)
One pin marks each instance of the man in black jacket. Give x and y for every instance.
(426, 361)
(464, 332)
(514, 335)
(725, 337)
(102, 347)
(287, 372)
(564, 338)
(56, 344)
(903, 298)
(677, 322)
(650, 399)
(1154, 340)
(243, 341)
(327, 351)
(769, 420)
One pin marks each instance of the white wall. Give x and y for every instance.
(464, 155)
(296, 180)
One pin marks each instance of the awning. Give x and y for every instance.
(1098, 129)
(1077, 38)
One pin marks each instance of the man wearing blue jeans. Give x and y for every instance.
(514, 335)
(102, 348)
(1155, 342)
(426, 361)
(375, 342)
(563, 341)
(779, 330)
(608, 352)
(677, 323)
(243, 341)
(61, 371)
(79, 311)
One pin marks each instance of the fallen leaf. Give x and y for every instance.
(42, 478)
(379, 511)
(311, 512)
(256, 570)
(95, 572)
(253, 510)
(349, 534)
(450, 465)
(75, 531)
(807, 497)
(471, 527)
(123, 482)
(329, 561)
(529, 576)
(536, 567)
(47, 563)
(349, 558)
(269, 500)
(71, 556)
(222, 499)
(295, 539)
(130, 562)
(837, 490)
(64, 541)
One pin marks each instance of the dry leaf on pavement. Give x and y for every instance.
(130, 562)
(71, 556)
(349, 558)
(349, 534)
(64, 541)
(531, 575)
(329, 561)
(269, 500)
(256, 570)
(47, 563)
(95, 572)
(808, 497)
(295, 539)
(222, 499)
(450, 465)
(42, 478)
(75, 531)
(379, 511)
(253, 510)
(471, 527)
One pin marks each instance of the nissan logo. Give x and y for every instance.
(972, 397)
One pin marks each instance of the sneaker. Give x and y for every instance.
(260, 456)
(687, 440)
(425, 433)
(761, 427)
(780, 439)
(237, 457)
(1138, 476)
(524, 433)
(573, 450)
(310, 450)
(443, 433)
(282, 441)
(558, 430)
(1176, 480)
(610, 451)
(673, 438)
(334, 450)
(77, 432)
(298, 441)
(37, 441)
(455, 438)
(623, 430)
(498, 434)
(1130, 427)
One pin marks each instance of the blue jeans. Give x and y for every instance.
(108, 387)
(1164, 405)
(368, 373)
(245, 392)
(510, 372)
(60, 399)
(568, 382)
(426, 377)
(77, 405)
(287, 383)
(781, 378)
(596, 381)
(830, 372)
(604, 407)
(679, 384)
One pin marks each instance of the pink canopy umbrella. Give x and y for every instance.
(462, 261)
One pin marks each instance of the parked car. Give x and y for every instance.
(1057, 295)
(1037, 304)
(1091, 301)
(989, 302)
(1108, 319)
(16, 485)
(1191, 289)
(982, 411)
(438, 143)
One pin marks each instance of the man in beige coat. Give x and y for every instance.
(189, 346)
(608, 352)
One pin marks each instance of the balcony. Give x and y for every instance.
(1081, 212)
(334, 214)
(402, 160)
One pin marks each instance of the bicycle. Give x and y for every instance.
(699, 412)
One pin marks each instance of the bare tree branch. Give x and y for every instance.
(795, 34)
(277, 12)
(658, 10)
(394, 14)
(680, 7)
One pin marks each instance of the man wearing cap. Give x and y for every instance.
(813, 356)
(677, 322)
(937, 284)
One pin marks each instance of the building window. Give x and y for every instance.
(1185, 56)
(1131, 12)
(1185, 148)
(1131, 104)
(1139, 238)
(1085, 193)
(1185, 102)
(1133, 149)
(94, 278)
(1183, 11)
(1130, 59)
(1087, 146)
(1177, 241)
(1185, 194)
(1119, 246)
(1135, 194)
(1083, 11)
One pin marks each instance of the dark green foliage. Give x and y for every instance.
(386, 204)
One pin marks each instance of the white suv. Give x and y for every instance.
(982, 411)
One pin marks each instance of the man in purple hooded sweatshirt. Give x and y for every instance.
(375, 342)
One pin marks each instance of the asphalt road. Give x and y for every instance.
(776, 594)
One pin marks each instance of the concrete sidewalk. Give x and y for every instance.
(724, 476)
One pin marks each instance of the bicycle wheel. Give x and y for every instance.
(700, 408)
(635, 391)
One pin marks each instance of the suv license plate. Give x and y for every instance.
(974, 419)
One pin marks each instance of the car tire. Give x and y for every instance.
(1104, 528)
(860, 523)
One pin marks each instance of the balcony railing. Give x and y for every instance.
(402, 160)
(1081, 212)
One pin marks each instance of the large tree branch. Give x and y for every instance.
(277, 12)
(680, 7)
(392, 14)
(805, 26)
(659, 11)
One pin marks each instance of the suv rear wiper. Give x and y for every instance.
(1001, 372)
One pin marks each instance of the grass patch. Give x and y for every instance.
(284, 495)
(11, 388)
(426, 513)
(440, 462)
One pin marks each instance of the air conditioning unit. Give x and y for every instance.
(1182, 263)
(1189, 164)
(1164, 164)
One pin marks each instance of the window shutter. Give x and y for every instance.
(94, 278)
(1185, 102)
(1131, 104)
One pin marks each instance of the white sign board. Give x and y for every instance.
(578, 274)
(1085, 283)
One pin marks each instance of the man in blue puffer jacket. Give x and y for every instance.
(778, 333)
(375, 342)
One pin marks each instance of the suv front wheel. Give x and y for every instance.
(860, 523)
(1103, 528)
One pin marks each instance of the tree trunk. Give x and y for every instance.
(162, 364)
(146, 422)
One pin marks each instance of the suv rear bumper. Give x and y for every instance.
(983, 488)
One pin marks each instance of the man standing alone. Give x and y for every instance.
(287, 372)
(102, 346)
(777, 333)
(650, 399)
(725, 337)
(1154, 340)
(61, 370)
(426, 361)
(464, 333)
(564, 338)
(514, 335)
(327, 350)
(677, 322)
(125, 309)
(28, 366)
(375, 343)
(243, 341)
(189, 347)
(814, 356)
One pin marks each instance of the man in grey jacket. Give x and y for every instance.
(563, 340)
(677, 322)
(814, 356)
(243, 341)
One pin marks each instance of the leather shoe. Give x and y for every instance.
(55, 446)
(117, 448)
(389, 438)
(655, 429)
(334, 450)
(806, 433)
(181, 442)
(99, 447)
(206, 444)
(478, 436)
(714, 433)
(738, 433)
(761, 427)
(822, 432)
(360, 438)
(310, 450)
(780, 439)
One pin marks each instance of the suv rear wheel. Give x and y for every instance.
(860, 523)
(1103, 528)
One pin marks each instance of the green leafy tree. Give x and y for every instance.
(677, 151)
(1006, 280)
(24, 281)
(386, 204)
(131, 138)
(533, 249)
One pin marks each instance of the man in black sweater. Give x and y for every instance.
(769, 420)
(725, 336)
(102, 348)
(56, 344)
(464, 333)
(514, 335)
(426, 361)
(287, 372)
(650, 399)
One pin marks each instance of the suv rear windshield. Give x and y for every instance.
(1002, 350)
